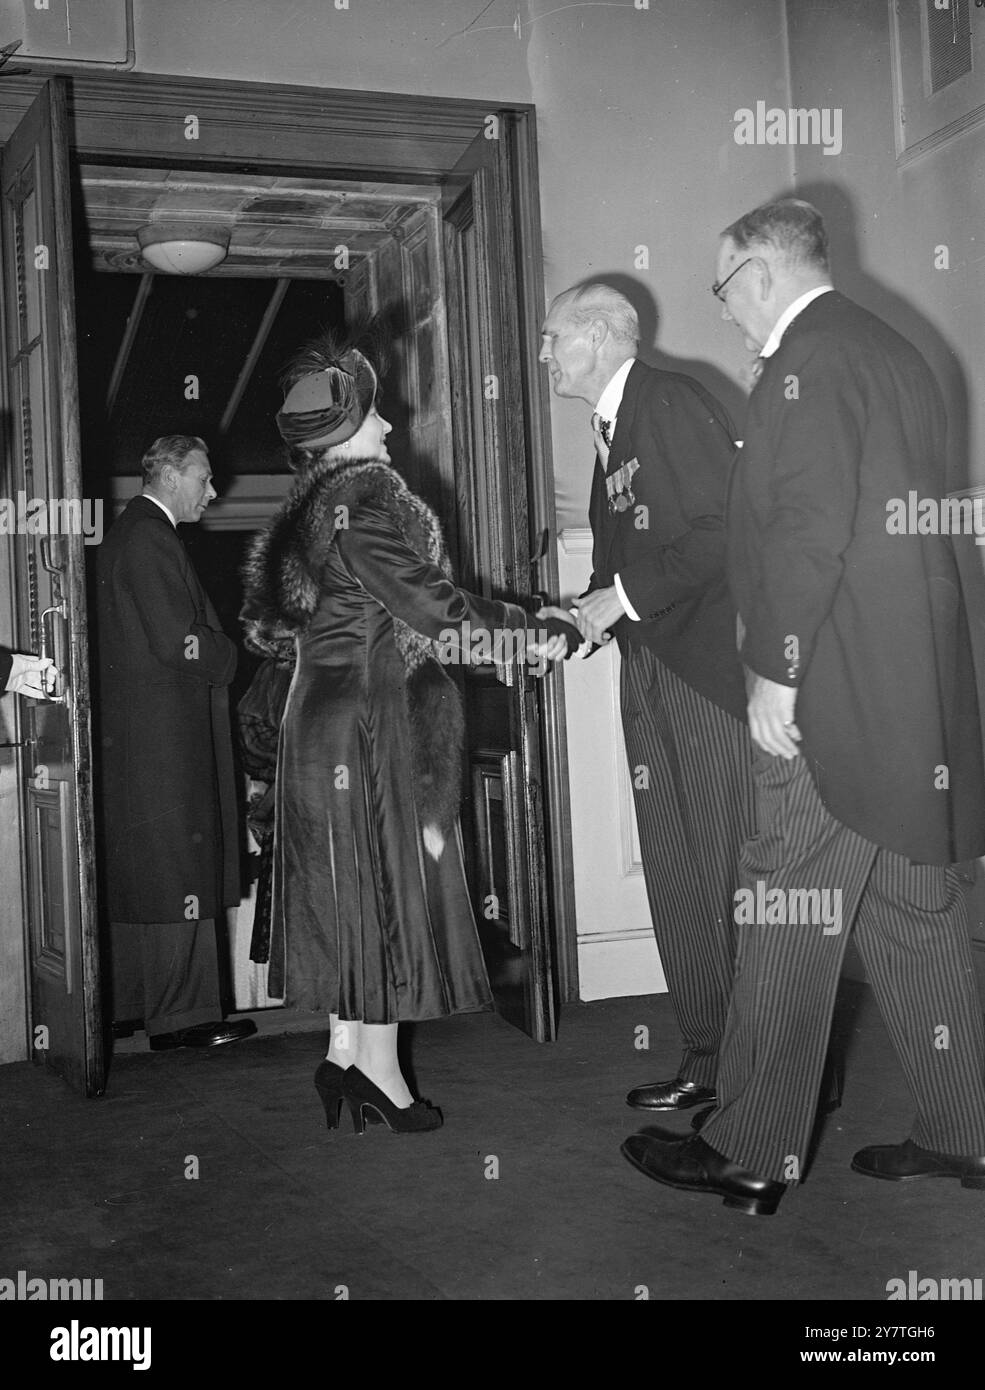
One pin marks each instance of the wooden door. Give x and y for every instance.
(49, 593)
(500, 549)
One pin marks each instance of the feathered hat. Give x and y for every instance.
(331, 384)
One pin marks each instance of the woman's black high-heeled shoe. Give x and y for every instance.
(328, 1083)
(366, 1100)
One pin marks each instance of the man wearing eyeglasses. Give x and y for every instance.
(864, 716)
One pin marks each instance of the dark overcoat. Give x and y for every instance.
(367, 922)
(168, 791)
(668, 545)
(870, 626)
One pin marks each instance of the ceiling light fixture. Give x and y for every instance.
(183, 248)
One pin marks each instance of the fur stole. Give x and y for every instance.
(282, 579)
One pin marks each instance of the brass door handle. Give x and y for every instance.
(46, 561)
(58, 608)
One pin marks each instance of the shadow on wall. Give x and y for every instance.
(852, 278)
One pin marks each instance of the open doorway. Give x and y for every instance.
(463, 270)
(203, 355)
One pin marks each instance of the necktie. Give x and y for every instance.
(603, 438)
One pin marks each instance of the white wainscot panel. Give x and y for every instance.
(617, 954)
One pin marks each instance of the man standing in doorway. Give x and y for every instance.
(869, 773)
(663, 448)
(168, 802)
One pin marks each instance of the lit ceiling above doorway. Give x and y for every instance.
(278, 226)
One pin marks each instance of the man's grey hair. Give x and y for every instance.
(598, 301)
(789, 226)
(173, 449)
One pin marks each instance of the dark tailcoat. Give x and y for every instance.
(168, 786)
(668, 545)
(871, 627)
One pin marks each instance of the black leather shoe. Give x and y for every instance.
(204, 1035)
(670, 1095)
(674, 1136)
(126, 1027)
(694, 1166)
(907, 1161)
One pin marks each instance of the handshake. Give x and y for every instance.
(589, 621)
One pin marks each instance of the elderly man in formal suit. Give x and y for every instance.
(663, 448)
(863, 709)
(168, 795)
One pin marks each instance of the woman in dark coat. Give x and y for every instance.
(371, 913)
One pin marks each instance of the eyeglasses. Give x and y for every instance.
(717, 289)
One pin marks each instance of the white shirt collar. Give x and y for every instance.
(611, 398)
(166, 510)
(788, 316)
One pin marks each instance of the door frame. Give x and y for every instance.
(53, 808)
(387, 137)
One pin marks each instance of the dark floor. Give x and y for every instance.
(283, 1209)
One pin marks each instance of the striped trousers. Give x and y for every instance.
(910, 923)
(690, 764)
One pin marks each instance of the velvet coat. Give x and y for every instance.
(870, 627)
(367, 923)
(668, 545)
(167, 786)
